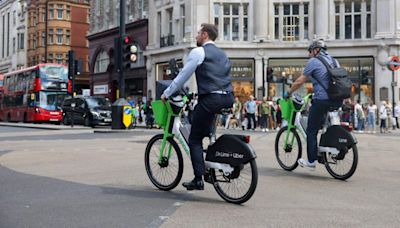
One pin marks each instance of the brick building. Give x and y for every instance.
(66, 29)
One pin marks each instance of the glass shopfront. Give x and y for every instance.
(360, 70)
(242, 71)
(163, 72)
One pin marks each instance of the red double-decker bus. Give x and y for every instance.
(35, 94)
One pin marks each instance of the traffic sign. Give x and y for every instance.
(394, 63)
(127, 116)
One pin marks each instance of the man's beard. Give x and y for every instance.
(198, 44)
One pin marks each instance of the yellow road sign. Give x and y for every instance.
(127, 116)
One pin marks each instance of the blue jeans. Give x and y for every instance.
(315, 121)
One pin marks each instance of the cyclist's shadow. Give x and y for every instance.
(277, 172)
(148, 192)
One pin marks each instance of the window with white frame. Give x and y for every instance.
(101, 63)
(68, 37)
(59, 36)
(51, 11)
(59, 58)
(353, 19)
(51, 36)
(291, 21)
(182, 21)
(43, 39)
(60, 10)
(232, 19)
(68, 12)
(170, 21)
(50, 58)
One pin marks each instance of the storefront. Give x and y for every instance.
(242, 71)
(360, 70)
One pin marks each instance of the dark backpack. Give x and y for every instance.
(339, 83)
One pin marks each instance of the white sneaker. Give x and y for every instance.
(263, 130)
(306, 164)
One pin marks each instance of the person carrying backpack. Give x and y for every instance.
(319, 70)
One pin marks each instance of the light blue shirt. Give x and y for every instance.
(251, 107)
(316, 69)
(195, 58)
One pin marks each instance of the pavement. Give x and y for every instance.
(75, 178)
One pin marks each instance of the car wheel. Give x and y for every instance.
(87, 121)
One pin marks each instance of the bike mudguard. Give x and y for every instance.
(338, 137)
(230, 149)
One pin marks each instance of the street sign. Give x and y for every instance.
(394, 63)
(394, 84)
(127, 116)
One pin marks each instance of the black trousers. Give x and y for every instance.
(203, 116)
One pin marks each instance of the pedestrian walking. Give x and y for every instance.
(264, 112)
(383, 116)
(397, 114)
(251, 108)
(371, 116)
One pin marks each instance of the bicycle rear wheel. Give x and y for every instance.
(166, 173)
(287, 157)
(343, 165)
(239, 186)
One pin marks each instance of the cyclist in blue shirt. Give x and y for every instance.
(320, 103)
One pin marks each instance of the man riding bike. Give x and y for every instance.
(318, 73)
(212, 68)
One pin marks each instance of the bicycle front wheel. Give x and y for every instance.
(288, 155)
(239, 186)
(343, 165)
(163, 168)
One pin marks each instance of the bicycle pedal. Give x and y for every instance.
(208, 179)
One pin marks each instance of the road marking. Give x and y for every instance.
(177, 204)
(163, 217)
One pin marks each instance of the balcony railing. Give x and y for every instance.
(167, 40)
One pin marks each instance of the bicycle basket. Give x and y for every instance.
(286, 108)
(160, 112)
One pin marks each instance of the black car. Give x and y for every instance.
(89, 111)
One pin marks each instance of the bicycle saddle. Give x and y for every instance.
(333, 109)
(224, 111)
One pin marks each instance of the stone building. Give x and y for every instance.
(13, 33)
(361, 34)
(104, 23)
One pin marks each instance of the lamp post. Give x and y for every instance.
(263, 77)
(46, 17)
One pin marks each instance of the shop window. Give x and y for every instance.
(242, 71)
(101, 63)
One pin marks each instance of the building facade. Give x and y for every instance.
(256, 34)
(13, 33)
(104, 28)
(51, 35)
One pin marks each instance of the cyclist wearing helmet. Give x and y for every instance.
(321, 102)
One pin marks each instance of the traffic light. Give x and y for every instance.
(270, 76)
(129, 52)
(364, 77)
(173, 67)
(71, 64)
(78, 65)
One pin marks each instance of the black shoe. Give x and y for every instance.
(194, 185)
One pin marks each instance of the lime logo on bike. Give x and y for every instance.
(127, 116)
(342, 140)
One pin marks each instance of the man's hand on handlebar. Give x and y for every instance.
(163, 98)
